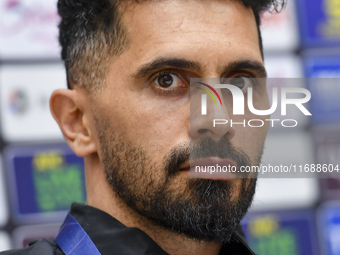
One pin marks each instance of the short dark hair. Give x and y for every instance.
(91, 35)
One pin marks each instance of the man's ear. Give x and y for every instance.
(73, 121)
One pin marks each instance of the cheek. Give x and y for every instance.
(164, 128)
(251, 139)
(154, 123)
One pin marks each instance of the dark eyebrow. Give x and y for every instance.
(247, 64)
(160, 63)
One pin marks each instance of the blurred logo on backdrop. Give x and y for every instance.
(331, 27)
(57, 184)
(319, 22)
(25, 91)
(284, 233)
(269, 234)
(18, 102)
(28, 29)
(19, 14)
(44, 181)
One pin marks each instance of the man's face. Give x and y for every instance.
(142, 116)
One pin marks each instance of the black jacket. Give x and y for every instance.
(112, 237)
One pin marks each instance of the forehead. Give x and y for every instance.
(206, 31)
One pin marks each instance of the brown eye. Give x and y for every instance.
(165, 80)
(239, 82)
(242, 82)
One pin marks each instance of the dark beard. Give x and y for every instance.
(205, 215)
(204, 211)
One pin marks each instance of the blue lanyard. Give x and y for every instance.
(73, 240)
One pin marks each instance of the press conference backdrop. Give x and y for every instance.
(40, 176)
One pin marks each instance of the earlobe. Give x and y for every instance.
(72, 120)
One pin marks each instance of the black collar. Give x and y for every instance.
(112, 237)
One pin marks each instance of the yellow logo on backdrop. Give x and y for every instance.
(47, 160)
(333, 8)
(331, 28)
(263, 226)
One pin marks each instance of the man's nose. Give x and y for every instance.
(214, 123)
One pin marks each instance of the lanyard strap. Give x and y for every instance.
(73, 240)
